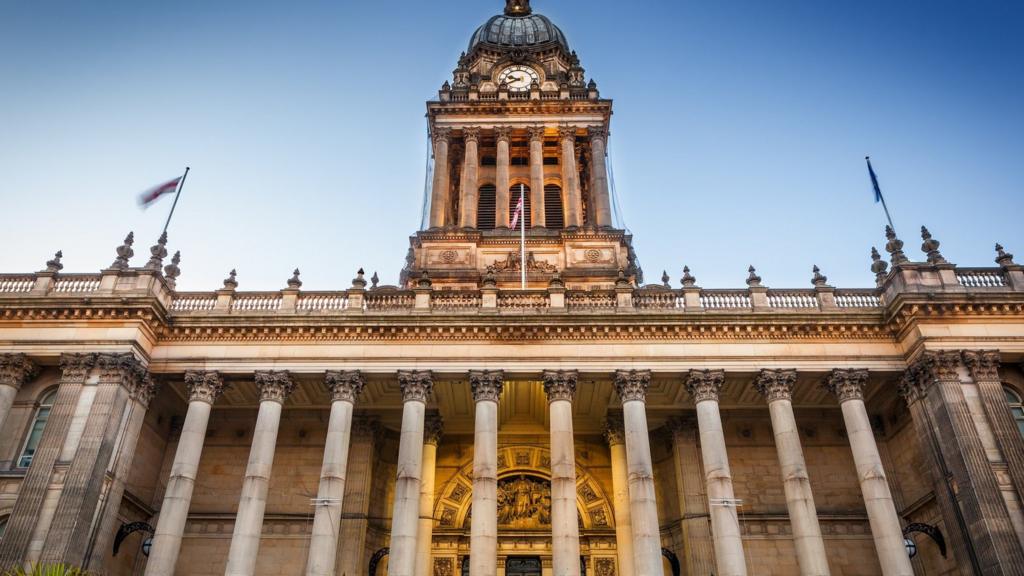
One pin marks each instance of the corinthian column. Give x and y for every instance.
(503, 138)
(345, 388)
(848, 387)
(632, 389)
(777, 388)
(704, 387)
(434, 429)
(416, 389)
(483, 544)
(560, 387)
(470, 202)
(440, 186)
(274, 387)
(615, 434)
(570, 179)
(203, 390)
(538, 217)
(599, 177)
(15, 370)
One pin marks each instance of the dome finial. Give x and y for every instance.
(517, 8)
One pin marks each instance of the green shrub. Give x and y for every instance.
(48, 570)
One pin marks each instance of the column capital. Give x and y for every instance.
(614, 431)
(433, 429)
(486, 385)
(910, 386)
(776, 384)
(983, 364)
(345, 386)
(682, 424)
(441, 135)
(598, 132)
(503, 133)
(145, 389)
(416, 385)
(274, 386)
(471, 135)
(705, 385)
(847, 384)
(366, 427)
(536, 133)
(76, 366)
(16, 370)
(934, 366)
(204, 386)
(114, 366)
(560, 384)
(631, 385)
(567, 133)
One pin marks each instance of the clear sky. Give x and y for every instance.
(739, 133)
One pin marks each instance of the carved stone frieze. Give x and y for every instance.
(983, 365)
(345, 386)
(847, 384)
(204, 386)
(560, 385)
(776, 384)
(416, 386)
(274, 386)
(486, 385)
(631, 385)
(16, 370)
(705, 385)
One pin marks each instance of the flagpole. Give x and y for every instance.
(176, 196)
(522, 238)
(878, 191)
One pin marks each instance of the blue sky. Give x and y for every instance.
(738, 138)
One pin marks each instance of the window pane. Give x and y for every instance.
(33, 437)
(1011, 396)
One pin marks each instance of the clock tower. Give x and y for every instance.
(519, 122)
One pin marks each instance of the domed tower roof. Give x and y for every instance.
(518, 27)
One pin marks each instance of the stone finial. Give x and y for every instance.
(878, 266)
(489, 279)
(294, 283)
(416, 386)
(274, 386)
(345, 386)
(931, 247)
(622, 281)
(16, 370)
(518, 8)
(124, 253)
(846, 384)
(359, 281)
(486, 385)
(204, 386)
(776, 384)
(819, 280)
(231, 282)
(560, 385)
(374, 280)
(632, 385)
(705, 385)
(1003, 257)
(172, 271)
(157, 253)
(591, 85)
(894, 247)
(689, 281)
(665, 279)
(424, 281)
(55, 265)
(753, 280)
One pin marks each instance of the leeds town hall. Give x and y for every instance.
(516, 407)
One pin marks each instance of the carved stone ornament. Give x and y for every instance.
(598, 133)
(910, 387)
(231, 282)
(274, 386)
(124, 253)
(442, 135)
(819, 280)
(931, 247)
(1003, 258)
(560, 384)
(204, 386)
(16, 370)
(76, 366)
(536, 133)
(145, 389)
(55, 265)
(433, 429)
(614, 431)
(878, 266)
(513, 263)
(567, 134)
(705, 385)
(776, 384)
(524, 502)
(846, 384)
(503, 133)
(345, 386)
(486, 386)
(157, 253)
(895, 247)
(682, 424)
(294, 283)
(416, 386)
(753, 280)
(937, 366)
(471, 134)
(631, 385)
(117, 367)
(172, 271)
(689, 281)
(984, 365)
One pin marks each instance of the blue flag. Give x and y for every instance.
(874, 182)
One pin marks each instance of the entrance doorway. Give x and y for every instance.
(522, 566)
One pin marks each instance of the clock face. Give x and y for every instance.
(518, 78)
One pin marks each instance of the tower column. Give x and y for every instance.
(470, 202)
(441, 183)
(345, 388)
(777, 387)
(433, 430)
(537, 215)
(599, 177)
(274, 387)
(203, 390)
(416, 388)
(560, 388)
(631, 387)
(503, 138)
(848, 387)
(704, 387)
(570, 179)
(483, 544)
(616, 436)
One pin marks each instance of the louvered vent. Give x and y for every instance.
(553, 216)
(485, 207)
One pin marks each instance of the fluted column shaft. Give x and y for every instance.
(537, 214)
(345, 388)
(424, 536)
(777, 388)
(560, 387)
(470, 203)
(616, 436)
(704, 387)
(503, 137)
(599, 177)
(441, 183)
(416, 389)
(570, 179)
(275, 387)
(204, 389)
(848, 387)
(483, 544)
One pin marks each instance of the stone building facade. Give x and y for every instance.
(458, 423)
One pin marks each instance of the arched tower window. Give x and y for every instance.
(35, 433)
(513, 201)
(1016, 407)
(486, 207)
(553, 216)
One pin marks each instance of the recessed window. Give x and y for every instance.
(520, 161)
(35, 433)
(551, 160)
(3, 526)
(488, 161)
(1016, 407)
